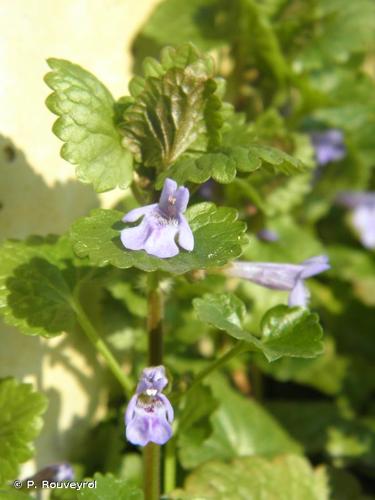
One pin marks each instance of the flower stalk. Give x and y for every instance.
(99, 344)
(151, 452)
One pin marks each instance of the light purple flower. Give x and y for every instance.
(278, 276)
(162, 222)
(53, 473)
(149, 413)
(363, 206)
(328, 145)
(267, 235)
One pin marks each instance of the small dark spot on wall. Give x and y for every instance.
(10, 153)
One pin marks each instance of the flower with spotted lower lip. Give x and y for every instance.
(162, 223)
(149, 413)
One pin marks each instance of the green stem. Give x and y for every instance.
(151, 467)
(155, 321)
(151, 452)
(170, 466)
(240, 347)
(101, 347)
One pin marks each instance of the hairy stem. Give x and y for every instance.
(151, 452)
(101, 347)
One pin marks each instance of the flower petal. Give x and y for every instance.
(169, 189)
(136, 213)
(364, 222)
(134, 238)
(182, 199)
(129, 414)
(160, 430)
(269, 274)
(314, 266)
(353, 199)
(153, 378)
(161, 242)
(168, 407)
(138, 431)
(185, 234)
(299, 296)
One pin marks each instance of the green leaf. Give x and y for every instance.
(223, 164)
(344, 486)
(11, 493)
(239, 425)
(175, 106)
(217, 233)
(20, 423)
(225, 312)
(194, 21)
(343, 28)
(285, 331)
(211, 24)
(322, 427)
(86, 125)
(292, 331)
(107, 487)
(277, 160)
(286, 477)
(357, 267)
(37, 279)
(194, 422)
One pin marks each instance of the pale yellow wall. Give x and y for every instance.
(37, 188)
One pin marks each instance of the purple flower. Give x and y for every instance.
(206, 190)
(329, 146)
(363, 205)
(149, 413)
(281, 276)
(161, 223)
(267, 235)
(53, 473)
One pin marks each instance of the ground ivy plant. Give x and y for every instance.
(196, 288)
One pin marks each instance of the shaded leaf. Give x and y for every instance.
(287, 477)
(37, 280)
(239, 426)
(174, 106)
(20, 423)
(323, 427)
(195, 425)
